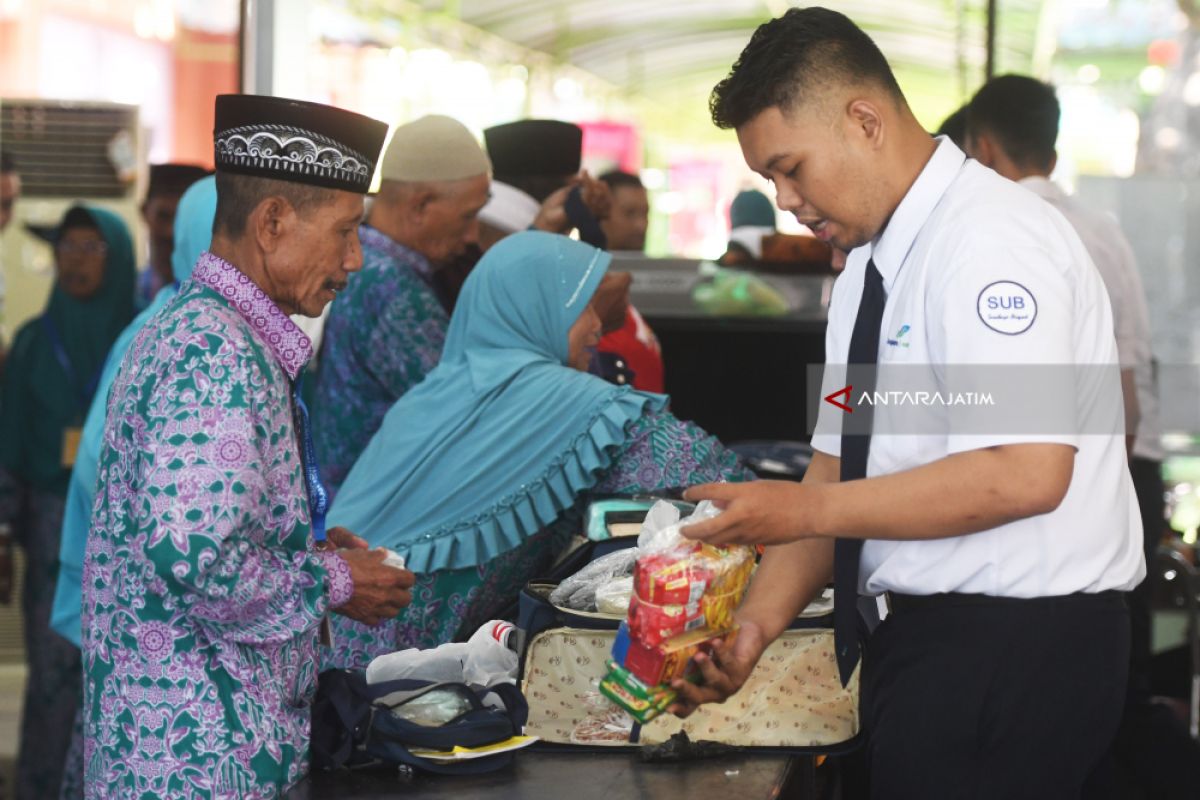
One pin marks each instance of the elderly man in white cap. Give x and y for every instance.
(386, 330)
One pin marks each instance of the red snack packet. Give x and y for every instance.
(653, 624)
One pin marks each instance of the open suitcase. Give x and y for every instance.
(793, 702)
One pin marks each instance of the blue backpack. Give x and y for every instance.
(356, 724)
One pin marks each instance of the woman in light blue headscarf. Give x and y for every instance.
(193, 232)
(50, 379)
(478, 474)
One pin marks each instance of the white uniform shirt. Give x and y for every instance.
(964, 238)
(1113, 256)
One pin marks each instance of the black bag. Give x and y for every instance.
(354, 724)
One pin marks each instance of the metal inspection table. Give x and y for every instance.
(581, 776)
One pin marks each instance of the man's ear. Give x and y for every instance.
(423, 197)
(982, 149)
(866, 121)
(272, 218)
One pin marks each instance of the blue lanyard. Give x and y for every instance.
(318, 496)
(86, 390)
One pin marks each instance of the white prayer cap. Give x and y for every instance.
(509, 209)
(435, 148)
(751, 237)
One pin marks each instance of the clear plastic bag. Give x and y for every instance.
(578, 592)
(609, 579)
(661, 529)
(434, 708)
(613, 597)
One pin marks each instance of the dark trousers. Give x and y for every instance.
(1148, 483)
(1153, 750)
(978, 698)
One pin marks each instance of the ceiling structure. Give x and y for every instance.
(669, 53)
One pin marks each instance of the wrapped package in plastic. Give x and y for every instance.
(684, 599)
(613, 597)
(578, 592)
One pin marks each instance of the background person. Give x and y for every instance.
(52, 374)
(386, 329)
(1013, 125)
(167, 184)
(514, 435)
(629, 215)
(193, 232)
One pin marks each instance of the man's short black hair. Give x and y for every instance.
(790, 57)
(238, 196)
(617, 179)
(1022, 114)
(7, 164)
(955, 127)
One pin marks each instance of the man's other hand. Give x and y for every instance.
(723, 673)
(380, 591)
(755, 512)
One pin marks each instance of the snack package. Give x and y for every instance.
(685, 594)
(658, 665)
(653, 624)
(640, 701)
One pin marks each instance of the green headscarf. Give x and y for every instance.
(41, 400)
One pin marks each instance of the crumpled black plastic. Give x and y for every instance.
(680, 748)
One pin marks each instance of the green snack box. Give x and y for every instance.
(642, 702)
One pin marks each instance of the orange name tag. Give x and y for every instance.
(70, 445)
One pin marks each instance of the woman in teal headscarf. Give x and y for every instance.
(193, 233)
(478, 474)
(52, 373)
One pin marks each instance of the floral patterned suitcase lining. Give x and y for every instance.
(793, 699)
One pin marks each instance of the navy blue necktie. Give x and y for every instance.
(856, 445)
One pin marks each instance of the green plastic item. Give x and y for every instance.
(733, 293)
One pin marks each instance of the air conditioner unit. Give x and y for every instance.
(66, 152)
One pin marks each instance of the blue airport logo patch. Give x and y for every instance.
(899, 341)
(1007, 307)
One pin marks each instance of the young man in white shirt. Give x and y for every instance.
(1013, 127)
(1003, 544)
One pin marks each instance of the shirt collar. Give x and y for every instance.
(892, 245)
(1043, 187)
(291, 348)
(373, 237)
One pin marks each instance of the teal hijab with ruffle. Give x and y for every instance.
(193, 232)
(501, 437)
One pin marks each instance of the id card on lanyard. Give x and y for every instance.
(84, 389)
(318, 496)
